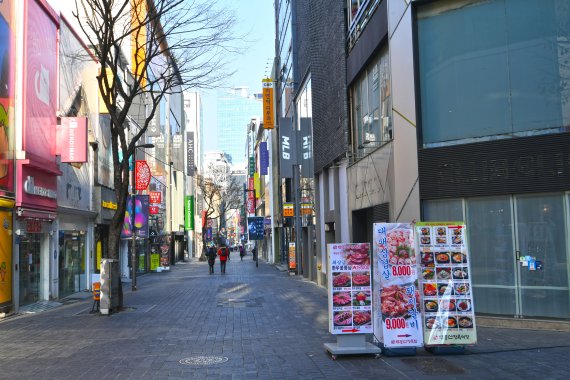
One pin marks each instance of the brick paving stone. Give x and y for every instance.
(268, 324)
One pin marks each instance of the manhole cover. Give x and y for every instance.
(203, 360)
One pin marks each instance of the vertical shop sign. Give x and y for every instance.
(287, 147)
(155, 197)
(397, 317)
(5, 257)
(72, 139)
(251, 166)
(268, 112)
(449, 316)
(190, 154)
(350, 290)
(263, 158)
(255, 227)
(189, 212)
(306, 144)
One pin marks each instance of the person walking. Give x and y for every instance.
(224, 253)
(211, 255)
(241, 252)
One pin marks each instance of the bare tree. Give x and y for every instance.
(172, 45)
(222, 193)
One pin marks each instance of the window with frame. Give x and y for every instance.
(371, 105)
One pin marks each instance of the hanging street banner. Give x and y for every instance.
(190, 154)
(142, 175)
(397, 315)
(255, 227)
(350, 290)
(268, 111)
(287, 150)
(449, 316)
(141, 217)
(189, 213)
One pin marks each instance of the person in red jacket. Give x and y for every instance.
(224, 253)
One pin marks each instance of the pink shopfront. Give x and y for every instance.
(36, 168)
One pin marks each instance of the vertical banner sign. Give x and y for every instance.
(190, 154)
(287, 147)
(251, 166)
(178, 151)
(306, 145)
(155, 197)
(397, 321)
(72, 139)
(255, 225)
(5, 257)
(449, 316)
(268, 112)
(141, 217)
(142, 175)
(263, 158)
(189, 212)
(292, 256)
(350, 290)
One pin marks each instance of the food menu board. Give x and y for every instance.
(350, 290)
(397, 316)
(449, 316)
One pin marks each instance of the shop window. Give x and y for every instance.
(493, 69)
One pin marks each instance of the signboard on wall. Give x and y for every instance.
(72, 139)
(190, 154)
(268, 107)
(287, 150)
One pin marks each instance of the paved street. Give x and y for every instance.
(266, 323)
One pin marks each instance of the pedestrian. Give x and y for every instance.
(254, 252)
(224, 253)
(211, 255)
(241, 252)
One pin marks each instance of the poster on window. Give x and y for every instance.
(449, 315)
(350, 290)
(397, 315)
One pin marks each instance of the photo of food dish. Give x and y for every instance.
(465, 322)
(441, 231)
(443, 273)
(362, 318)
(441, 240)
(451, 322)
(457, 240)
(458, 257)
(460, 273)
(447, 305)
(430, 306)
(395, 302)
(432, 323)
(430, 289)
(442, 257)
(461, 288)
(341, 279)
(428, 274)
(360, 278)
(425, 240)
(342, 318)
(362, 298)
(427, 259)
(424, 231)
(463, 305)
(456, 231)
(444, 290)
(341, 298)
(358, 255)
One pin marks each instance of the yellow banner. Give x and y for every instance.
(257, 185)
(138, 39)
(5, 256)
(268, 111)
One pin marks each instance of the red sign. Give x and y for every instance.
(72, 139)
(142, 175)
(155, 197)
(153, 210)
(33, 225)
(250, 206)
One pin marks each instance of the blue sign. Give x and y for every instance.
(263, 158)
(255, 227)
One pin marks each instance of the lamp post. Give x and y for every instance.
(133, 237)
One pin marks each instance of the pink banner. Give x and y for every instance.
(40, 82)
(72, 139)
(7, 69)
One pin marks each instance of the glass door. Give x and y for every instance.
(71, 263)
(29, 269)
(541, 233)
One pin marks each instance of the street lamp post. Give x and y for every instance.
(133, 237)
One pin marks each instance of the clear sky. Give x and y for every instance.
(255, 18)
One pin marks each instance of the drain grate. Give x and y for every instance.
(203, 360)
(434, 366)
(240, 302)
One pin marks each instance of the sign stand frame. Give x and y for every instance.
(351, 345)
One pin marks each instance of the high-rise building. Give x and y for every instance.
(236, 108)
